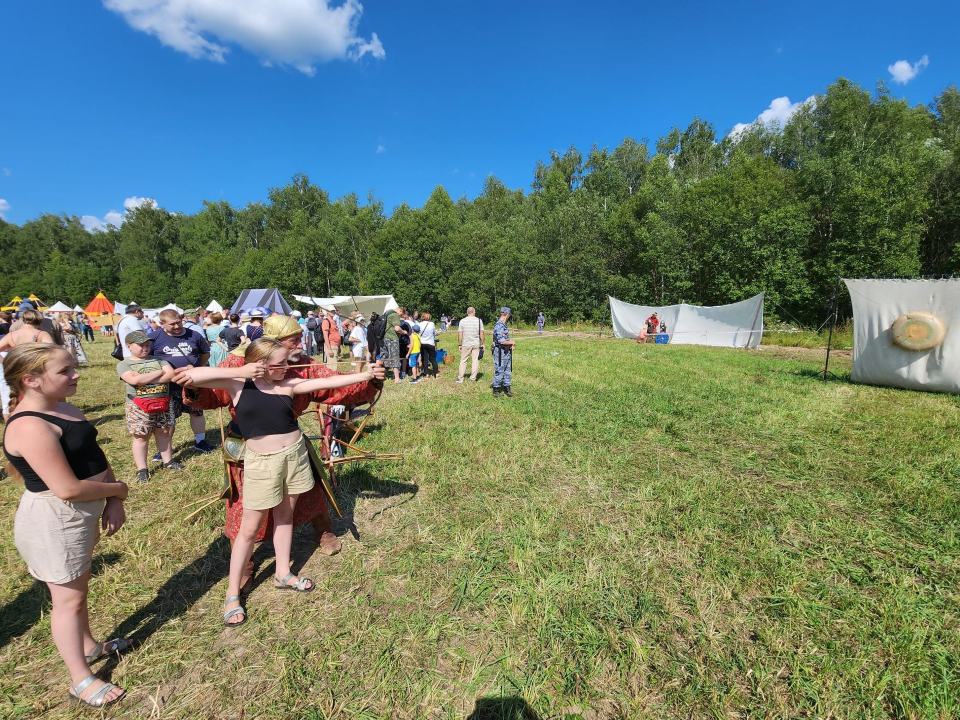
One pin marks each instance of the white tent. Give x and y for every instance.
(77, 308)
(214, 307)
(736, 325)
(878, 360)
(60, 307)
(366, 304)
(153, 312)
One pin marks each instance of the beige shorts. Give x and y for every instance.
(267, 477)
(55, 537)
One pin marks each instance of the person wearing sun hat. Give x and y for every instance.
(312, 506)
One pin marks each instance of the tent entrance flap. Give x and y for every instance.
(736, 325)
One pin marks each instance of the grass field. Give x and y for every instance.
(642, 532)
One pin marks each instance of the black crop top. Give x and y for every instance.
(78, 438)
(259, 413)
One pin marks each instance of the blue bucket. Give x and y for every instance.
(441, 354)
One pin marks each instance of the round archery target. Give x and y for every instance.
(918, 331)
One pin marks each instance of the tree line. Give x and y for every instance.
(855, 184)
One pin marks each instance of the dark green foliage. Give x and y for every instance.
(855, 185)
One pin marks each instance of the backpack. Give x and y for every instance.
(376, 334)
(312, 323)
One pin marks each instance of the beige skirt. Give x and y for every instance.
(55, 537)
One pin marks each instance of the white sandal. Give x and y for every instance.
(97, 700)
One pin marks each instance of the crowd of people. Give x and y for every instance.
(262, 367)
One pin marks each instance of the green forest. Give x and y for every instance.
(856, 184)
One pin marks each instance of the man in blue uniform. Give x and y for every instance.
(502, 355)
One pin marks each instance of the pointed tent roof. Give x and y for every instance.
(269, 298)
(13, 304)
(215, 307)
(77, 308)
(59, 307)
(99, 305)
(41, 305)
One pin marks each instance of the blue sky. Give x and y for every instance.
(106, 103)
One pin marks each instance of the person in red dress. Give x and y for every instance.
(312, 506)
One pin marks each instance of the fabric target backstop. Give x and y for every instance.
(735, 325)
(878, 360)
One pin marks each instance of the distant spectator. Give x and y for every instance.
(469, 340)
(255, 328)
(358, 342)
(312, 326)
(218, 348)
(191, 320)
(541, 321)
(428, 345)
(390, 352)
(5, 320)
(128, 324)
(86, 327)
(232, 336)
(332, 336)
(413, 359)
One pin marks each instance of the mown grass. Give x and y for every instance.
(642, 532)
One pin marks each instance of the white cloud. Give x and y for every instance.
(779, 114)
(299, 33)
(4, 206)
(132, 202)
(381, 149)
(903, 72)
(6, 172)
(93, 223)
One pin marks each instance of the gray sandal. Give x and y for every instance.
(233, 612)
(96, 701)
(104, 649)
(300, 585)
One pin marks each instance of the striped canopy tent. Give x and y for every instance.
(99, 308)
(269, 298)
(14, 304)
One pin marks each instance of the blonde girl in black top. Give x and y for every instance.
(70, 494)
(276, 464)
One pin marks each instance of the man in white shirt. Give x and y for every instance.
(130, 323)
(469, 342)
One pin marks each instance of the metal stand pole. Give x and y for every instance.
(833, 321)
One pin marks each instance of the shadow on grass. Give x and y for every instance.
(843, 377)
(178, 594)
(358, 482)
(25, 610)
(502, 708)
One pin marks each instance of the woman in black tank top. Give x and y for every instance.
(276, 465)
(70, 492)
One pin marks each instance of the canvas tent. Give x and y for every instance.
(100, 311)
(878, 359)
(366, 304)
(735, 325)
(269, 298)
(59, 307)
(214, 307)
(77, 308)
(153, 312)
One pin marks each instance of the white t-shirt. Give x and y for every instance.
(428, 333)
(127, 325)
(470, 327)
(358, 350)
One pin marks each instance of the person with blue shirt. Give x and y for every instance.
(502, 355)
(183, 348)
